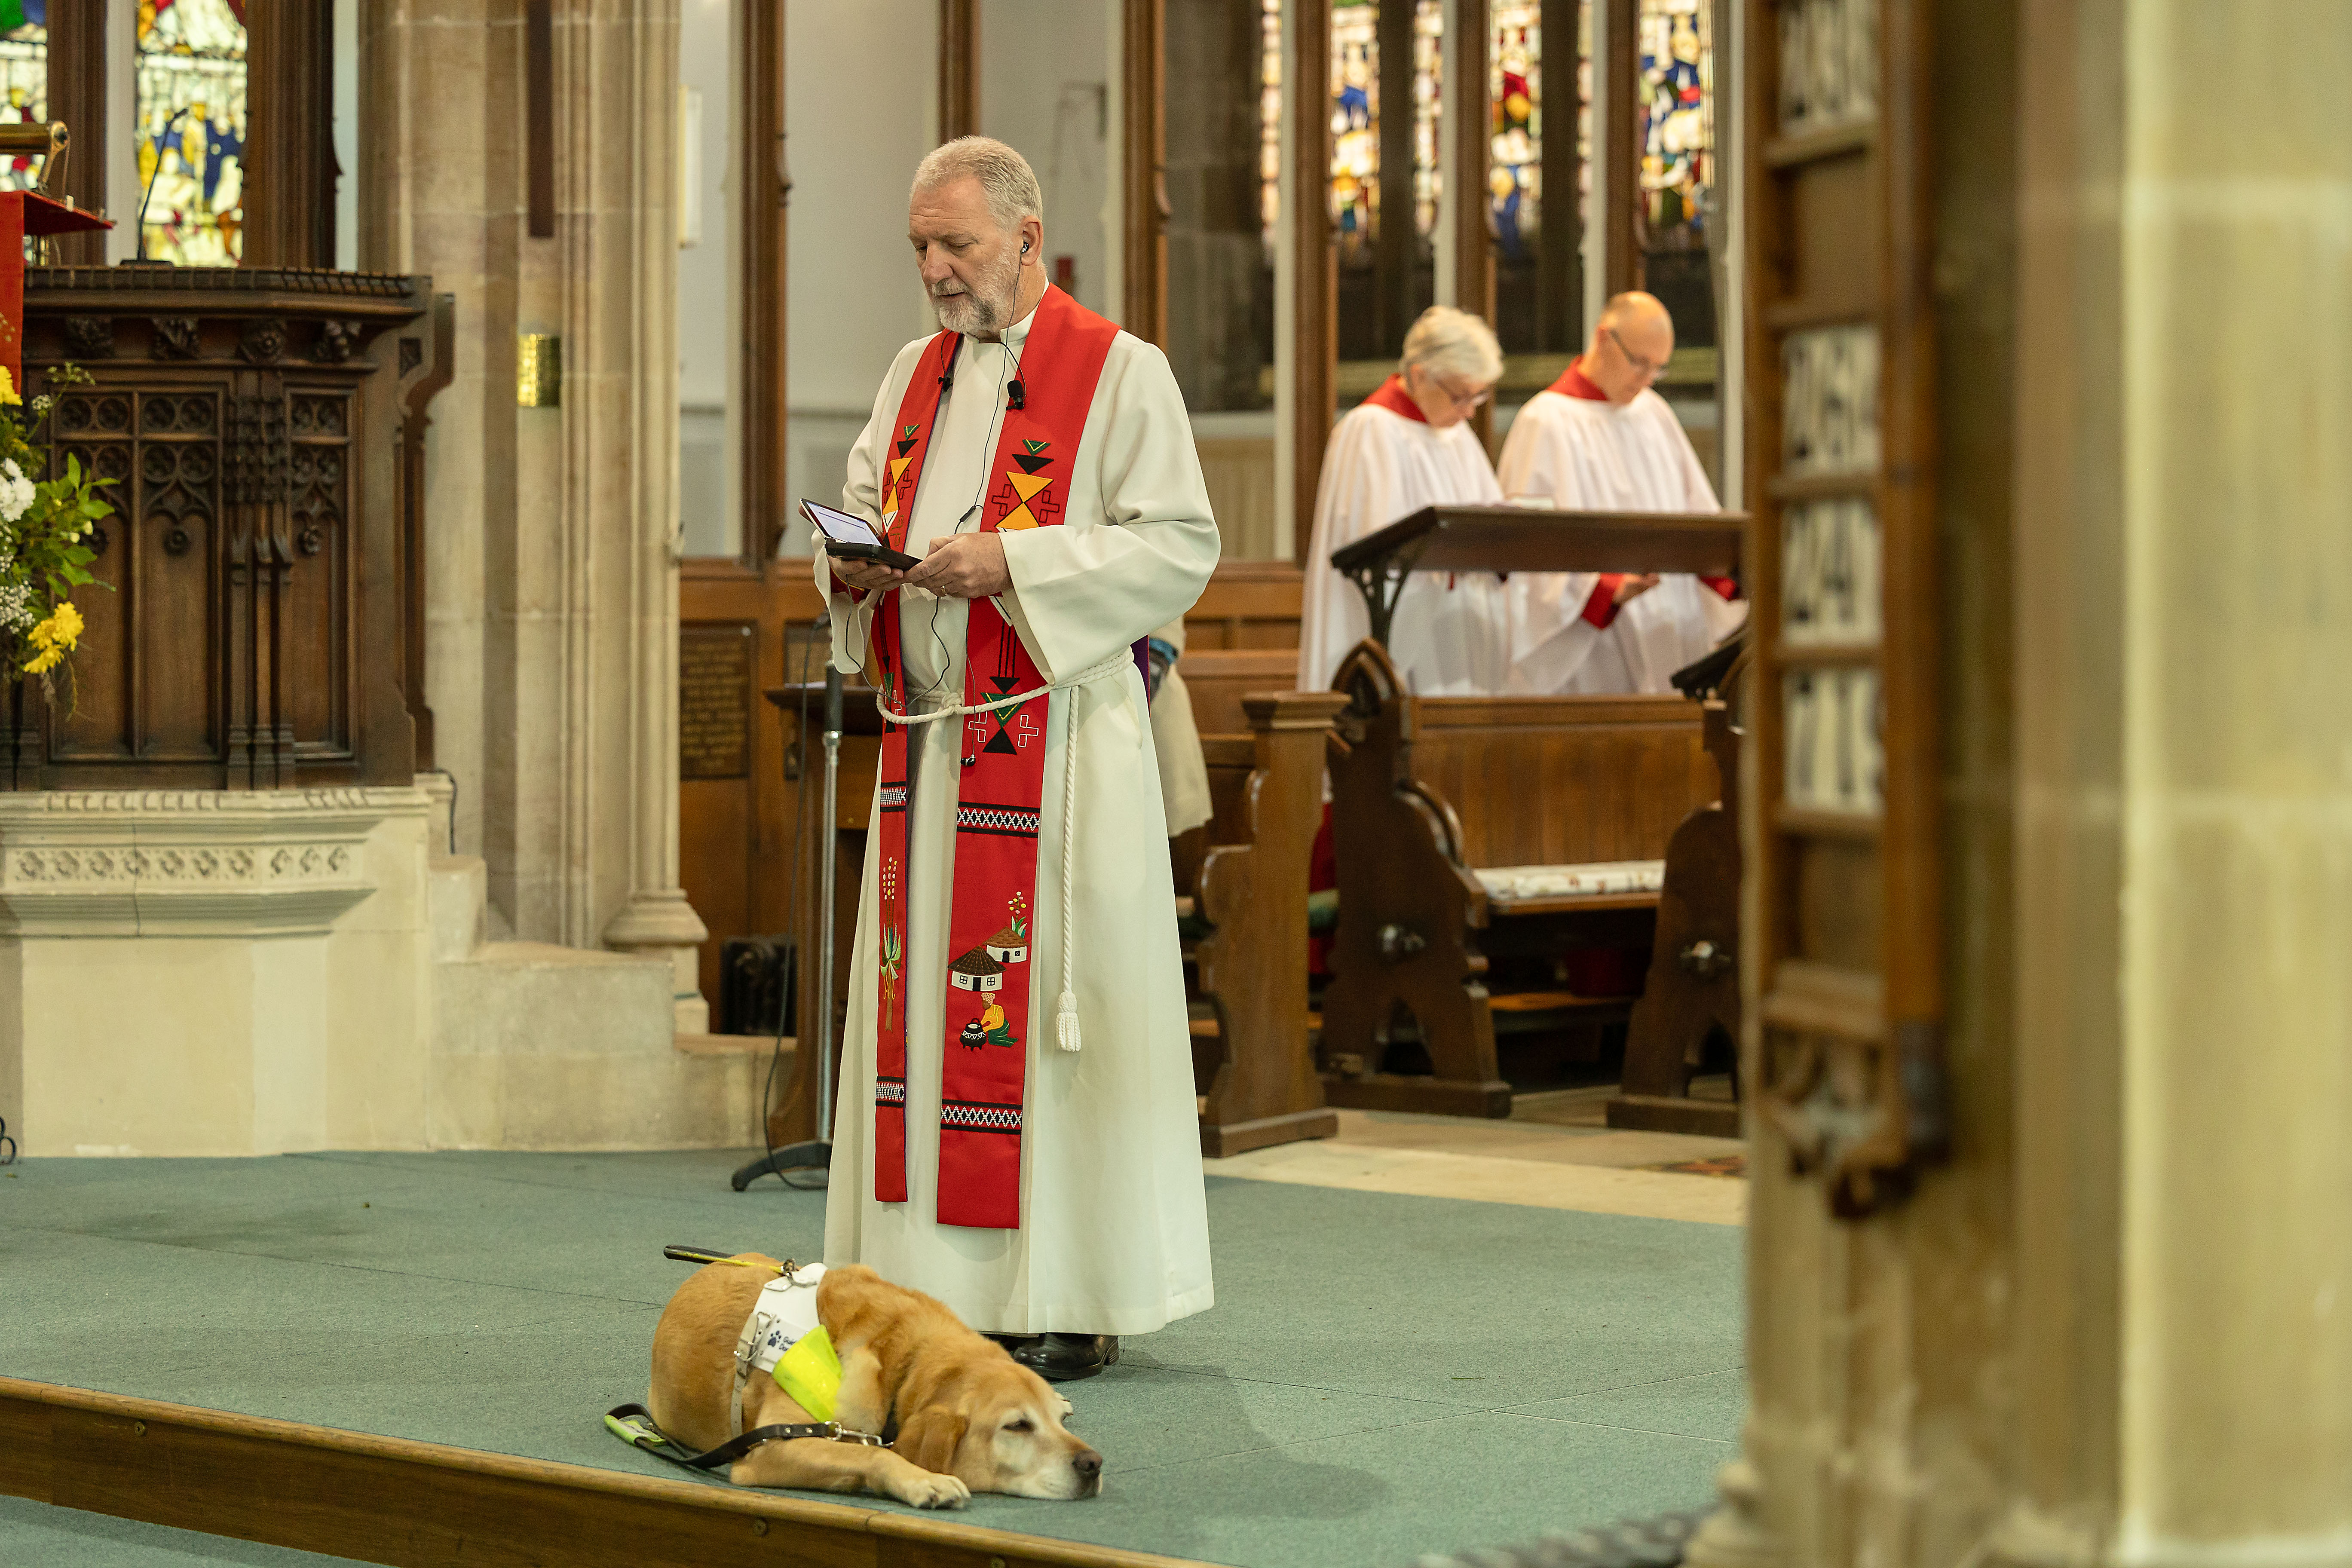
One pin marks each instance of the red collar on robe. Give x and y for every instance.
(1392, 395)
(1574, 383)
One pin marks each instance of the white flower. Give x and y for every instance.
(17, 605)
(16, 491)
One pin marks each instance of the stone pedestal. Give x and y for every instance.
(198, 973)
(268, 971)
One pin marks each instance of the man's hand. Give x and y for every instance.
(1634, 586)
(868, 576)
(963, 566)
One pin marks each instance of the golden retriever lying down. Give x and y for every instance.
(969, 1418)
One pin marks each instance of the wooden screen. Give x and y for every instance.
(1846, 976)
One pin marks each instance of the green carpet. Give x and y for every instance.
(1382, 1377)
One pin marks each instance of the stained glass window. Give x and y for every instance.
(1540, 147)
(23, 80)
(192, 129)
(1677, 125)
(1514, 85)
(1269, 121)
(1355, 124)
(1356, 120)
(1428, 91)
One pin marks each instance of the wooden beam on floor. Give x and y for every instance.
(425, 1505)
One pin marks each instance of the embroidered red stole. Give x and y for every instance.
(1002, 752)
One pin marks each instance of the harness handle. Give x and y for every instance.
(677, 1253)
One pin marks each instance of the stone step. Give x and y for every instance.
(540, 1046)
(457, 895)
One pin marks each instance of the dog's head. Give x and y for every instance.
(997, 1426)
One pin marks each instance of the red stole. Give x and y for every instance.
(1392, 395)
(985, 1053)
(1574, 383)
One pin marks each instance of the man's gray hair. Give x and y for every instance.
(1447, 342)
(1005, 176)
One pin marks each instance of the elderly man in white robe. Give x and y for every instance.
(1599, 439)
(1016, 1131)
(1409, 446)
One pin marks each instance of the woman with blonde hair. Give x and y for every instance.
(1408, 445)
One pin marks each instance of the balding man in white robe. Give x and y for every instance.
(1598, 439)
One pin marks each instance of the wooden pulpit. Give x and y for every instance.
(252, 627)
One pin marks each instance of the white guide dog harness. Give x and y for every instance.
(784, 1311)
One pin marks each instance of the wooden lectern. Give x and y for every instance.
(1528, 538)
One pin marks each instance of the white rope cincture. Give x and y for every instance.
(1066, 1009)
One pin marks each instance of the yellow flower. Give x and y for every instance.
(61, 630)
(54, 638)
(8, 387)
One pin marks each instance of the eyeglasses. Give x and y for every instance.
(1471, 400)
(1652, 369)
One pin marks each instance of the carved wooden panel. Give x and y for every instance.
(1845, 992)
(251, 632)
(317, 502)
(142, 691)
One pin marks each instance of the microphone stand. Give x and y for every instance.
(817, 1152)
(148, 194)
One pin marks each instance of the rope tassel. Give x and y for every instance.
(1066, 1012)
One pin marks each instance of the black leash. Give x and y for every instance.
(634, 1424)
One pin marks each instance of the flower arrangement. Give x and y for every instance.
(43, 526)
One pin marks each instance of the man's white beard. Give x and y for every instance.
(987, 309)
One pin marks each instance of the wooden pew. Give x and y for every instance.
(1426, 793)
(1215, 679)
(1257, 1080)
(1692, 987)
(1218, 679)
(1247, 605)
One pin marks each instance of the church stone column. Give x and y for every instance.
(552, 581)
(617, 89)
(2113, 1328)
(2236, 1333)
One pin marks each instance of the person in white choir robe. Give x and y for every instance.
(1598, 439)
(1408, 445)
(1113, 1238)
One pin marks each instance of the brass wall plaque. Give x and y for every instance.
(714, 701)
(539, 370)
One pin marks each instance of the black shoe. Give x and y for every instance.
(1011, 1342)
(1065, 1358)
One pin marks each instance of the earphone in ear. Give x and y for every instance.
(1025, 247)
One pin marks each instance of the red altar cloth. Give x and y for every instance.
(23, 213)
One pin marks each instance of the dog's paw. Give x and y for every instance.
(924, 1490)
